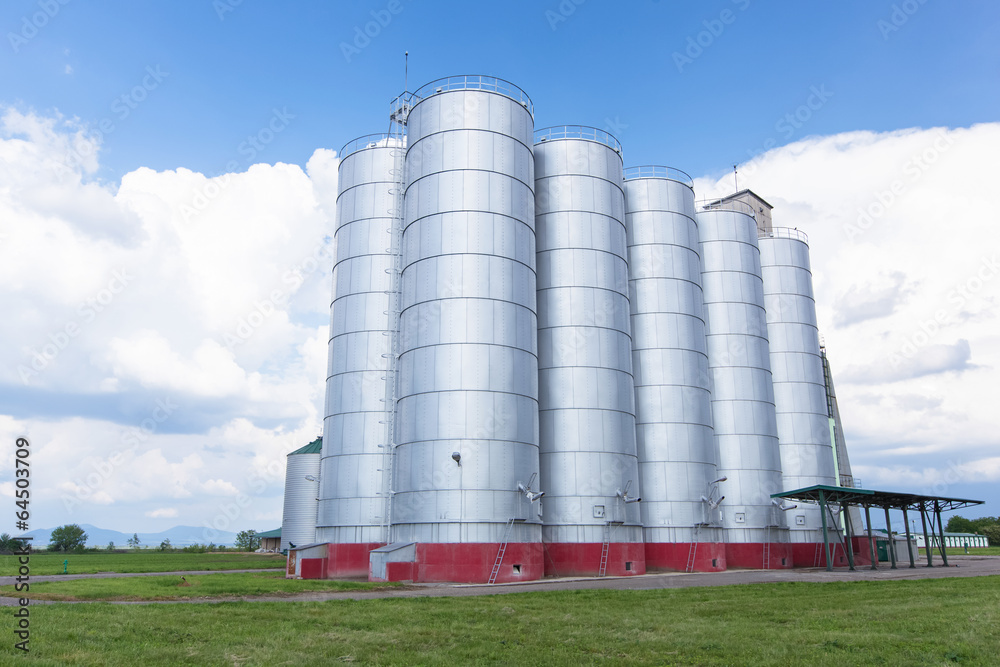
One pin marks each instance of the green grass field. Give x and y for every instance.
(170, 588)
(141, 561)
(959, 551)
(928, 622)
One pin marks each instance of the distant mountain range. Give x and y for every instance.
(179, 536)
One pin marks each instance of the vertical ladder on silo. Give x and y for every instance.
(816, 555)
(692, 552)
(502, 550)
(767, 549)
(605, 548)
(398, 137)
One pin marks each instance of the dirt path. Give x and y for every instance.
(961, 566)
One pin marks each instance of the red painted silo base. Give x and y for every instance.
(470, 563)
(584, 559)
(673, 556)
(751, 556)
(349, 560)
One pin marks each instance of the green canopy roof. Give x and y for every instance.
(271, 533)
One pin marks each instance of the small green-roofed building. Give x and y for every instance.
(271, 540)
(958, 540)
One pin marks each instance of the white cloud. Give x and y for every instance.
(904, 245)
(163, 513)
(170, 345)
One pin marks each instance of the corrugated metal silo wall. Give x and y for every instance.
(797, 370)
(468, 378)
(676, 446)
(586, 393)
(298, 516)
(351, 499)
(742, 393)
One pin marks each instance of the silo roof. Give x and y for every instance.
(313, 447)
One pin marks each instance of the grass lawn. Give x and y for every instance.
(169, 588)
(929, 622)
(141, 561)
(959, 551)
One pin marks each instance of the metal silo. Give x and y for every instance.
(352, 501)
(743, 411)
(586, 405)
(799, 383)
(467, 409)
(676, 446)
(298, 516)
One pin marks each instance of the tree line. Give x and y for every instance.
(987, 525)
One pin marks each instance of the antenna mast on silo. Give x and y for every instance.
(736, 178)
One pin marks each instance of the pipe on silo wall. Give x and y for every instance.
(351, 489)
(676, 446)
(467, 408)
(799, 383)
(298, 514)
(743, 412)
(589, 468)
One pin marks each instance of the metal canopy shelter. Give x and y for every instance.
(843, 496)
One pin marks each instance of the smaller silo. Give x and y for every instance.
(298, 518)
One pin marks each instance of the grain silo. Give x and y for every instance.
(799, 385)
(467, 407)
(743, 413)
(677, 454)
(298, 514)
(589, 469)
(352, 502)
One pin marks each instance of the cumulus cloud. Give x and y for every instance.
(170, 345)
(162, 513)
(904, 249)
(871, 301)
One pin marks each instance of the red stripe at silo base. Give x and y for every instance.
(751, 556)
(584, 559)
(349, 560)
(674, 556)
(470, 563)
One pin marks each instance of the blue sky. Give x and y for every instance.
(188, 145)
(229, 64)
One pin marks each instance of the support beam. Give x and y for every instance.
(846, 512)
(892, 540)
(909, 538)
(927, 539)
(826, 533)
(937, 512)
(871, 540)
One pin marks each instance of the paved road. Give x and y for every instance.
(962, 566)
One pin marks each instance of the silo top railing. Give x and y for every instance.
(475, 82)
(656, 171)
(361, 143)
(578, 132)
(785, 233)
(731, 205)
